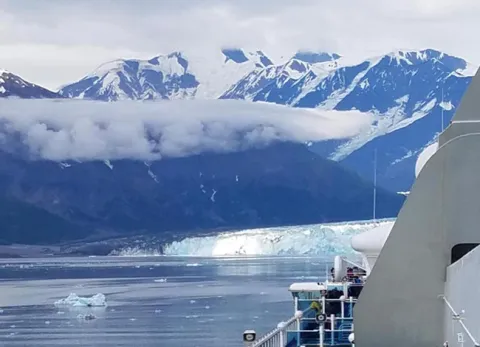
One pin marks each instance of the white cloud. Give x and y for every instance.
(88, 130)
(52, 42)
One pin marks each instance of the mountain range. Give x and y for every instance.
(407, 93)
(281, 184)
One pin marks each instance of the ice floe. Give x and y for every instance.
(97, 300)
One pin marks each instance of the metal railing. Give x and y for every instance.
(458, 318)
(278, 337)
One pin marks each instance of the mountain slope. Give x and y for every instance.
(172, 76)
(406, 92)
(280, 84)
(399, 89)
(409, 94)
(277, 185)
(315, 57)
(14, 86)
(21, 222)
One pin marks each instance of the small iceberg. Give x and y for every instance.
(98, 300)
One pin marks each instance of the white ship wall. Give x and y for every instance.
(462, 290)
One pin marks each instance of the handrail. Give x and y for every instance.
(277, 337)
(457, 317)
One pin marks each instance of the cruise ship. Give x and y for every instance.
(417, 284)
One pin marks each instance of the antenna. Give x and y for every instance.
(375, 184)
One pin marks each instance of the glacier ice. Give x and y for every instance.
(136, 252)
(97, 300)
(318, 239)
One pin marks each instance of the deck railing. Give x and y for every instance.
(458, 318)
(278, 337)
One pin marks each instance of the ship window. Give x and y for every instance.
(309, 295)
(458, 251)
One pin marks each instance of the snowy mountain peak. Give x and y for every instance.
(234, 54)
(162, 77)
(416, 57)
(240, 56)
(174, 63)
(167, 76)
(272, 83)
(315, 57)
(294, 69)
(12, 85)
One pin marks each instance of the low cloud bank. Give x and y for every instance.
(88, 130)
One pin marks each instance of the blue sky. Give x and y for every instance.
(52, 42)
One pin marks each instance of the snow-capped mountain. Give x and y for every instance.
(406, 91)
(315, 57)
(162, 77)
(14, 86)
(172, 76)
(279, 84)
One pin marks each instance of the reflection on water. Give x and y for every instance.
(158, 301)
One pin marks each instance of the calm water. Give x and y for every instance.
(160, 301)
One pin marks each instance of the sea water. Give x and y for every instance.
(149, 301)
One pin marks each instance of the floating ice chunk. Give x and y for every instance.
(193, 301)
(160, 280)
(133, 319)
(86, 317)
(47, 322)
(207, 307)
(194, 264)
(158, 311)
(78, 301)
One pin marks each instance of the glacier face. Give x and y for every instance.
(311, 240)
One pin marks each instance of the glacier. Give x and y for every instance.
(306, 240)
